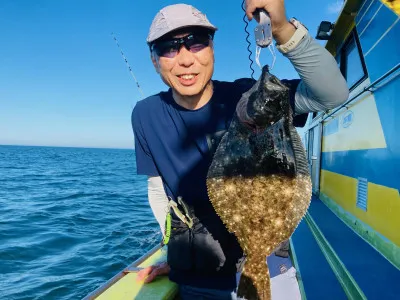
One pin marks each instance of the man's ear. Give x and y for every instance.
(156, 62)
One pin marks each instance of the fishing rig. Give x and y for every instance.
(263, 37)
(129, 67)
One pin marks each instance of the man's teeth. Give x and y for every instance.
(188, 76)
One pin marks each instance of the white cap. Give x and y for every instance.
(174, 17)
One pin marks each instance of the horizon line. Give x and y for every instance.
(58, 146)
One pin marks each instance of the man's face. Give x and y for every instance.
(188, 72)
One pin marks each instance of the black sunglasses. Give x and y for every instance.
(194, 42)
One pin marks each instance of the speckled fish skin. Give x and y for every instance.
(258, 182)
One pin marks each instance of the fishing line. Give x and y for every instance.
(133, 75)
(248, 41)
(129, 67)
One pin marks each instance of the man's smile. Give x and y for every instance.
(187, 79)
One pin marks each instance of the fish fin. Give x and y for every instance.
(255, 282)
(299, 152)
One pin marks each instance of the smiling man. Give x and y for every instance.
(188, 75)
(177, 132)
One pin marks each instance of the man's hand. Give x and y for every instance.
(148, 274)
(282, 30)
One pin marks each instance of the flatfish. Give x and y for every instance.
(258, 181)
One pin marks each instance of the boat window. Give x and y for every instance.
(352, 62)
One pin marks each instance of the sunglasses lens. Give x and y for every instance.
(198, 43)
(194, 43)
(167, 49)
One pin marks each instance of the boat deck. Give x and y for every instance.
(371, 273)
(316, 274)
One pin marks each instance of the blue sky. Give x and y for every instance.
(63, 81)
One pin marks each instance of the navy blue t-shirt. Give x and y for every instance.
(177, 144)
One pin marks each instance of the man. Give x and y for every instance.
(176, 133)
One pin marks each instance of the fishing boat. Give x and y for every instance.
(350, 240)
(348, 245)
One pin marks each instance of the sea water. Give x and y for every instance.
(70, 219)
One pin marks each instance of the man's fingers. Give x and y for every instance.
(148, 274)
(142, 274)
(151, 276)
(250, 8)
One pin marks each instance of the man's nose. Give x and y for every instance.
(185, 57)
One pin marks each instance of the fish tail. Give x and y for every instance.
(299, 152)
(254, 281)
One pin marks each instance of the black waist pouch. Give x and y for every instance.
(204, 248)
(179, 255)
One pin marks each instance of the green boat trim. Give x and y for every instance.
(350, 286)
(297, 267)
(124, 285)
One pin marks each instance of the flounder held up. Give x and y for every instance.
(258, 181)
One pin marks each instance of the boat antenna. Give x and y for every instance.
(129, 67)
